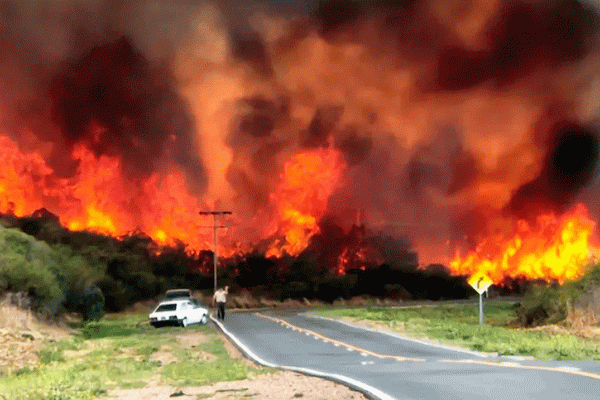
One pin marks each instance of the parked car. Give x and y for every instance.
(179, 312)
(177, 294)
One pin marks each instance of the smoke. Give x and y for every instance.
(137, 113)
(439, 108)
(570, 163)
(524, 37)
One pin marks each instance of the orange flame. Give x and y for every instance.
(100, 199)
(301, 198)
(556, 248)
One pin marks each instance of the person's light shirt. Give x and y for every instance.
(220, 296)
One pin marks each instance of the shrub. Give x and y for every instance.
(542, 304)
(94, 305)
(27, 265)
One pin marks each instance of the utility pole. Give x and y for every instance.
(215, 228)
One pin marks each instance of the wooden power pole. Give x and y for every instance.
(215, 228)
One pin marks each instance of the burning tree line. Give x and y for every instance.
(69, 271)
(62, 269)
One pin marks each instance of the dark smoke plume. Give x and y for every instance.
(569, 165)
(139, 113)
(525, 36)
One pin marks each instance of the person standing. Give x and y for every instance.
(220, 298)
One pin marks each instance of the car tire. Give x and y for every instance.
(184, 322)
(204, 319)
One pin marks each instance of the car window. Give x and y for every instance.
(195, 303)
(174, 295)
(167, 307)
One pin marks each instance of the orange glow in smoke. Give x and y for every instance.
(555, 248)
(301, 198)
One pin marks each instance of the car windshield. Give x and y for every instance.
(167, 307)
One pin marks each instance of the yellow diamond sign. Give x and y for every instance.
(480, 282)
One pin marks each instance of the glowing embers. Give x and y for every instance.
(301, 198)
(555, 248)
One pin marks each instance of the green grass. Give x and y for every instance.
(117, 352)
(459, 325)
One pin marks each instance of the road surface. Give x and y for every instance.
(387, 366)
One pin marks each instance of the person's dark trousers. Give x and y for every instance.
(221, 310)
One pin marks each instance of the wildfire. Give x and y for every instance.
(556, 248)
(301, 198)
(355, 258)
(100, 199)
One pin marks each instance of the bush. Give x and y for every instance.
(545, 303)
(542, 304)
(551, 303)
(93, 304)
(26, 265)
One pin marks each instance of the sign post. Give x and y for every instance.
(480, 282)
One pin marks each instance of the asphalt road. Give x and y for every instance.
(387, 366)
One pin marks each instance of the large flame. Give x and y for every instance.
(555, 248)
(99, 199)
(301, 198)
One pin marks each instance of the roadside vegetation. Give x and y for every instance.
(53, 271)
(458, 324)
(124, 351)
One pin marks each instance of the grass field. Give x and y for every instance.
(458, 324)
(124, 351)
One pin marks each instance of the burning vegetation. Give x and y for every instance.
(462, 132)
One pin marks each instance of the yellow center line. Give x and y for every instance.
(565, 370)
(334, 341)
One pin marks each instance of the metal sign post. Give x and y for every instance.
(480, 282)
(480, 309)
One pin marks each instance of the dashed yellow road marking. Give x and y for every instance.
(335, 342)
(564, 370)
(365, 352)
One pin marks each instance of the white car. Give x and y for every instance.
(181, 312)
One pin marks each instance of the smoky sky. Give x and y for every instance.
(137, 109)
(570, 164)
(526, 36)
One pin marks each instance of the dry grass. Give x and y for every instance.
(15, 318)
(580, 318)
(22, 336)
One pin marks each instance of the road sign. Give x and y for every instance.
(480, 282)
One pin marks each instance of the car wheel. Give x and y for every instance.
(184, 322)
(204, 319)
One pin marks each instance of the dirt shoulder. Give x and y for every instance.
(271, 386)
(22, 337)
(275, 386)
